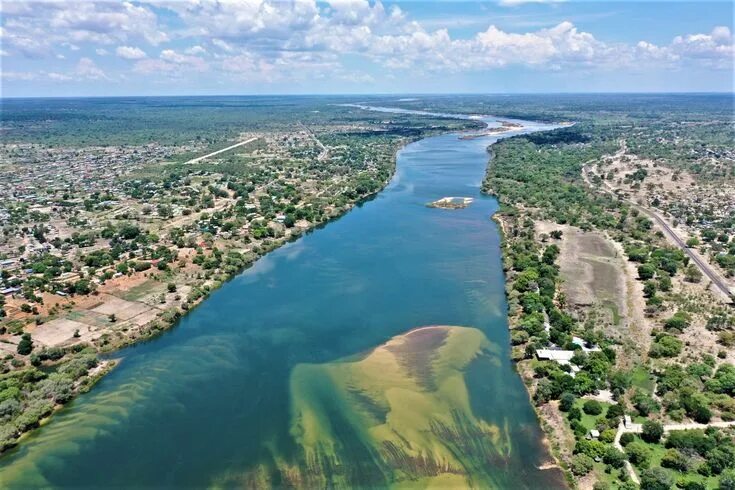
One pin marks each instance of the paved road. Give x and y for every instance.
(198, 159)
(325, 151)
(703, 266)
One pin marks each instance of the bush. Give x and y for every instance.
(656, 479)
(666, 346)
(675, 460)
(566, 402)
(691, 485)
(626, 439)
(581, 464)
(592, 407)
(25, 346)
(613, 457)
(593, 449)
(639, 454)
(677, 322)
(727, 480)
(608, 435)
(646, 271)
(652, 431)
(695, 440)
(574, 414)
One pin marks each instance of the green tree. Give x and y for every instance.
(25, 346)
(656, 479)
(646, 271)
(613, 457)
(592, 407)
(727, 480)
(581, 464)
(639, 454)
(566, 402)
(652, 431)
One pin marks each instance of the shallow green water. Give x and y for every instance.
(209, 402)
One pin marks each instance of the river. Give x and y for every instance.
(209, 403)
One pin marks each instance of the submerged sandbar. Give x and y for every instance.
(404, 405)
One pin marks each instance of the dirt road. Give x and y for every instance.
(198, 159)
(706, 269)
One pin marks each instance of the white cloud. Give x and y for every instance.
(281, 40)
(18, 75)
(130, 53)
(86, 68)
(223, 45)
(714, 49)
(59, 77)
(34, 29)
(195, 50)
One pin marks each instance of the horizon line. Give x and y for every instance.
(363, 94)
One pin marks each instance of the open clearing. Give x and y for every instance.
(600, 286)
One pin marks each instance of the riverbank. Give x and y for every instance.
(138, 291)
(604, 328)
(233, 357)
(138, 301)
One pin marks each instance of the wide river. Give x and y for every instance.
(209, 403)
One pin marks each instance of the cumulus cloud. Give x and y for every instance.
(86, 68)
(33, 29)
(194, 50)
(714, 49)
(130, 53)
(301, 39)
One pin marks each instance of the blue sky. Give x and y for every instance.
(175, 47)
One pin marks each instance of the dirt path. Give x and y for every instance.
(198, 159)
(638, 428)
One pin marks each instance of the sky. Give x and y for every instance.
(232, 47)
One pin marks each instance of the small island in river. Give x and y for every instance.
(451, 202)
(504, 127)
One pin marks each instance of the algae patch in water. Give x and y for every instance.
(399, 416)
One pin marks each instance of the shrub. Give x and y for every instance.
(727, 480)
(608, 435)
(678, 321)
(25, 346)
(613, 457)
(675, 460)
(666, 346)
(652, 431)
(626, 439)
(581, 464)
(639, 454)
(592, 407)
(646, 271)
(593, 449)
(656, 479)
(566, 402)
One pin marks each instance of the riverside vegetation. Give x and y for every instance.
(672, 375)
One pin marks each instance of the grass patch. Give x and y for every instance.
(641, 378)
(135, 293)
(590, 421)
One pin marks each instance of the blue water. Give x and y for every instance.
(209, 399)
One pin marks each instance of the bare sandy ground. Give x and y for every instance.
(600, 285)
